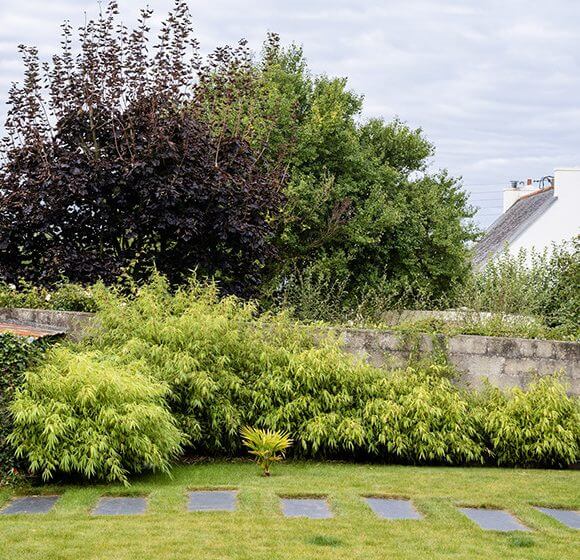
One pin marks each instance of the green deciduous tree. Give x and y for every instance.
(362, 209)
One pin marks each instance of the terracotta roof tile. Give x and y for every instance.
(33, 331)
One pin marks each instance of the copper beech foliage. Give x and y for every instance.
(108, 166)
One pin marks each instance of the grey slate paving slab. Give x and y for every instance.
(390, 508)
(494, 519)
(568, 517)
(30, 504)
(212, 500)
(314, 508)
(120, 506)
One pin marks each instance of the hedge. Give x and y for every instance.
(16, 353)
(217, 365)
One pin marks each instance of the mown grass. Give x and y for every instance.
(257, 530)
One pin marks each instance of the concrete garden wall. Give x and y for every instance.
(72, 323)
(506, 362)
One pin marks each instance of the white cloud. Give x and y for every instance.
(494, 84)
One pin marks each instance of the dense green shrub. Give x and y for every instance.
(364, 210)
(83, 414)
(101, 407)
(312, 296)
(537, 426)
(64, 296)
(545, 285)
(414, 415)
(508, 284)
(560, 303)
(227, 367)
(16, 353)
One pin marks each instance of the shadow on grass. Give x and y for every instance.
(323, 540)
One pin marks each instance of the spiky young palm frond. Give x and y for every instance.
(268, 446)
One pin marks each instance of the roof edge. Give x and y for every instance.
(529, 195)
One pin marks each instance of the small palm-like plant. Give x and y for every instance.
(267, 446)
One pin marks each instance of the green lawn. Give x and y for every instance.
(257, 530)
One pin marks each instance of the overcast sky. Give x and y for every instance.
(495, 84)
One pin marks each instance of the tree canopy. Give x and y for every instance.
(248, 169)
(110, 167)
(362, 205)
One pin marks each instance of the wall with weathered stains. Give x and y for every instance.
(72, 323)
(506, 362)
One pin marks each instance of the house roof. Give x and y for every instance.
(524, 212)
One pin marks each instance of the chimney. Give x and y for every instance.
(567, 185)
(515, 191)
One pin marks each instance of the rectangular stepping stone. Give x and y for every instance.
(494, 519)
(120, 506)
(212, 500)
(568, 517)
(313, 508)
(30, 504)
(390, 508)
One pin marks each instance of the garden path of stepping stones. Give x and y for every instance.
(30, 504)
(212, 500)
(494, 519)
(313, 508)
(390, 508)
(120, 506)
(568, 517)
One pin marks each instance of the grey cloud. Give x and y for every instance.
(493, 84)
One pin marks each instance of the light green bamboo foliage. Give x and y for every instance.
(419, 416)
(227, 366)
(101, 408)
(537, 426)
(267, 446)
(82, 413)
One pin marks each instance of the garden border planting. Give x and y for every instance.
(505, 362)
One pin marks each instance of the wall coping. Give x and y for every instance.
(48, 312)
(365, 330)
(48, 316)
(504, 361)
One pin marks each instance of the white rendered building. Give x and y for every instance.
(534, 217)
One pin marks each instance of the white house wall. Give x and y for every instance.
(561, 221)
